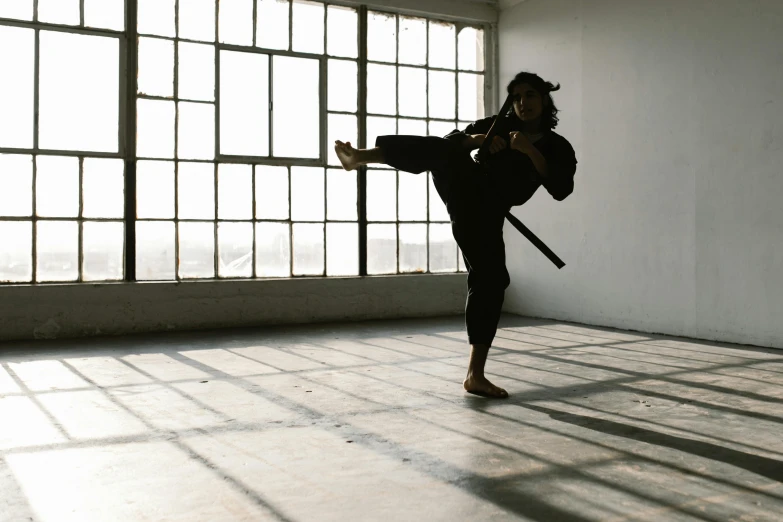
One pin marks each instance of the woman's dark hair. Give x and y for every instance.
(549, 111)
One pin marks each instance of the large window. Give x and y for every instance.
(198, 145)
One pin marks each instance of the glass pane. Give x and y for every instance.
(343, 91)
(64, 12)
(461, 259)
(196, 74)
(413, 40)
(342, 249)
(381, 37)
(102, 244)
(271, 192)
(57, 186)
(236, 22)
(438, 210)
(381, 249)
(17, 86)
(235, 191)
(381, 89)
(308, 249)
(103, 188)
(413, 197)
(379, 126)
(156, 17)
(308, 27)
(235, 247)
(196, 127)
(307, 194)
(155, 189)
(441, 128)
(462, 125)
(381, 195)
(196, 190)
(154, 128)
(197, 20)
(272, 24)
(471, 96)
(341, 195)
(471, 49)
(413, 92)
(411, 127)
(273, 250)
(295, 88)
(196, 250)
(443, 249)
(106, 14)
(16, 256)
(16, 185)
(18, 9)
(413, 248)
(244, 104)
(342, 32)
(442, 94)
(57, 251)
(155, 250)
(156, 67)
(79, 92)
(443, 45)
(341, 127)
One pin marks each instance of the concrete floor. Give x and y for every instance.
(368, 421)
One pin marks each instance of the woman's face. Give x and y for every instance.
(528, 103)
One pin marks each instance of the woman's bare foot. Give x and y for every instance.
(475, 382)
(347, 155)
(482, 386)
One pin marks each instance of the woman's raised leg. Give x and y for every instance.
(414, 154)
(352, 158)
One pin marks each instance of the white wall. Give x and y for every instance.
(675, 111)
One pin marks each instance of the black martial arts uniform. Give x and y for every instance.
(477, 203)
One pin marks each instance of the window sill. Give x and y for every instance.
(59, 310)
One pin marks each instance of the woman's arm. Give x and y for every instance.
(555, 173)
(561, 166)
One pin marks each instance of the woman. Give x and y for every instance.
(525, 154)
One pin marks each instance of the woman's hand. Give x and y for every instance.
(520, 142)
(497, 145)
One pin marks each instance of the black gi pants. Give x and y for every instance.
(476, 221)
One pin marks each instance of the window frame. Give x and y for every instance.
(128, 95)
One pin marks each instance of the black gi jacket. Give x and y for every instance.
(514, 178)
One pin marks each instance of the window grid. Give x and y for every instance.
(127, 130)
(32, 265)
(253, 162)
(427, 119)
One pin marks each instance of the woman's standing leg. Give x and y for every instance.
(480, 238)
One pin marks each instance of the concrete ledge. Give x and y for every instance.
(79, 310)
